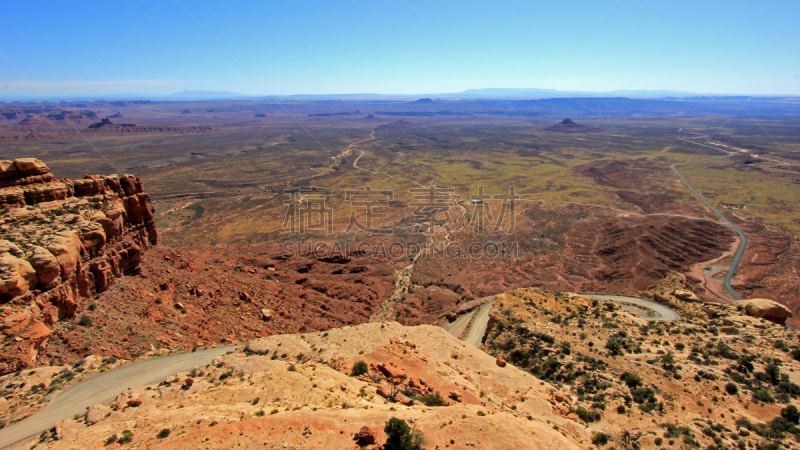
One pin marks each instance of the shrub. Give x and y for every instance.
(614, 347)
(643, 394)
(111, 439)
(127, 436)
(621, 409)
(415, 441)
(731, 388)
(631, 379)
(434, 399)
(85, 321)
(397, 431)
(588, 415)
(163, 433)
(359, 368)
(600, 439)
(791, 414)
(763, 395)
(773, 372)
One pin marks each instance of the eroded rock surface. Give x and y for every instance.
(62, 241)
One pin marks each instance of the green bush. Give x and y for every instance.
(614, 347)
(763, 395)
(731, 388)
(588, 415)
(359, 368)
(401, 436)
(631, 379)
(163, 433)
(397, 431)
(127, 437)
(434, 399)
(600, 439)
(85, 321)
(791, 414)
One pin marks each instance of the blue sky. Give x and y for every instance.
(396, 47)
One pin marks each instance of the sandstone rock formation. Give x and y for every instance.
(768, 309)
(62, 241)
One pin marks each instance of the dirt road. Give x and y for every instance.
(477, 329)
(102, 387)
(659, 311)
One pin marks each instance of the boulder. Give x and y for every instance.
(687, 296)
(365, 436)
(501, 362)
(390, 371)
(768, 309)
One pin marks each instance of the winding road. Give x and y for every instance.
(479, 319)
(742, 238)
(103, 387)
(642, 307)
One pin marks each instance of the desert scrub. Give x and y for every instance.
(433, 399)
(359, 368)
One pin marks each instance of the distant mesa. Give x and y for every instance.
(370, 117)
(212, 110)
(116, 115)
(103, 122)
(186, 111)
(261, 115)
(424, 100)
(399, 125)
(343, 113)
(106, 122)
(568, 126)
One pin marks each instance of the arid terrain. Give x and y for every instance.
(341, 231)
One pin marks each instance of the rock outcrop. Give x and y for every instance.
(768, 309)
(62, 241)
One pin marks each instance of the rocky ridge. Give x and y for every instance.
(62, 241)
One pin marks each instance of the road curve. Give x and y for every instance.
(102, 387)
(480, 318)
(477, 329)
(662, 312)
(742, 238)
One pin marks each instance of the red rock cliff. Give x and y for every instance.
(62, 241)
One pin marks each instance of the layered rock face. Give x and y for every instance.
(61, 241)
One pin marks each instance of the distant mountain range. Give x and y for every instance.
(539, 93)
(469, 94)
(204, 95)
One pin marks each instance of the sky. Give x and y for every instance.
(98, 49)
